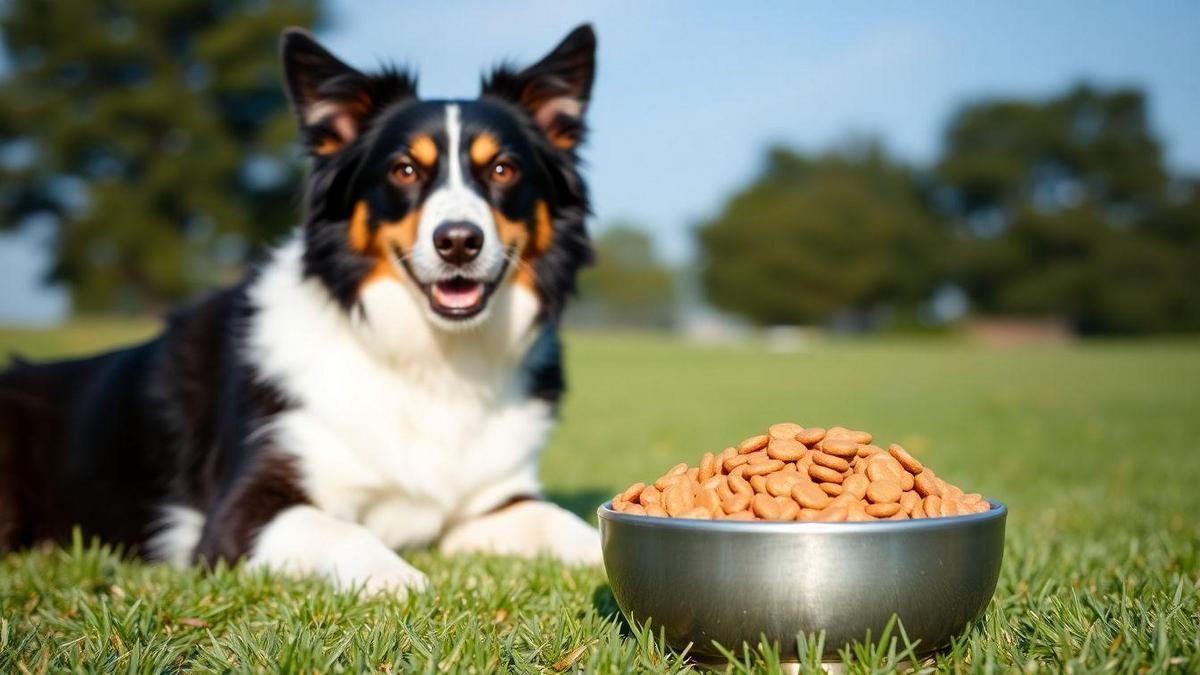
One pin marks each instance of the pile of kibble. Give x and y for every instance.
(801, 473)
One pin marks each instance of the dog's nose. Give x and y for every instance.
(458, 242)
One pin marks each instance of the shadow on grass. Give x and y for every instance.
(606, 606)
(583, 503)
(605, 603)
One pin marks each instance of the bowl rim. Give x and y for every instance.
(997, 512)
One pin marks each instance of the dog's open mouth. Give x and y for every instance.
(458, 297)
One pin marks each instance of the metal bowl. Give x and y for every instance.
(705, 581)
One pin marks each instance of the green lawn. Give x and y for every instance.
(1092, 446)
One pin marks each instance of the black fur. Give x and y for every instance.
(313, 75)
(104, 443)
(356, 172)
(569, 70)
(543, 367)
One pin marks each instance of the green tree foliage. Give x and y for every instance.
(155, 133)
(1065, 208)
(813, 237)
(1177, 228)
(629, 286)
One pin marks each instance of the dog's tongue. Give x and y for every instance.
(458, 293)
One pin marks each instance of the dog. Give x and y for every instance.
(384, 379)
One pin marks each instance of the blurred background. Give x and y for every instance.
(1017, 171)
(969, 228)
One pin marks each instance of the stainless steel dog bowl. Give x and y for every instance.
(704, 581)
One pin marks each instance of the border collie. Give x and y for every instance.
(385, 379)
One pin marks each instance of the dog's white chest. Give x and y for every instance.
(404, 445)
(405, 461)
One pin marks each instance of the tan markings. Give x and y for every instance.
(360, 230)
(515, 235)
(544, 229)
(327, 146)
(524, 277)
(562, 141)
(401, 234)
(424, 150)
(382, 270)
(484, 149)
(392, 239)
(387, 240)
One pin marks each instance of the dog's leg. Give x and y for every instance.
(11, 512)
(305, 541)
(268, 519)
(29, 432)
(527, 528)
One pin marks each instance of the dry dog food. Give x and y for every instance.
(801, 473)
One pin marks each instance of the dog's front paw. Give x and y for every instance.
(396, 578)
(572, 540)
(304, 541)
(528, 529)
(375, 569)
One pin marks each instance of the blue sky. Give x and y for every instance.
(689, 93)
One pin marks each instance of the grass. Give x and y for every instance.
(1092, 446)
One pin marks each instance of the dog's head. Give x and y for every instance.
(453, 198)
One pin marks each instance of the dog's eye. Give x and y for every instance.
(404, 172)
(502, 172)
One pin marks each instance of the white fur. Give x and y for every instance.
(401, 427)
(528, 528)
(177, 535)
(406, 426)
(304, 541)
(456, 201)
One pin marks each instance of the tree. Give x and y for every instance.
(156, 134)
(815, 237)
(1065, 208)
(629, 286)
(1074, 264)
(1085, 145)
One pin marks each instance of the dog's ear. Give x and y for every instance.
(555, 90)
(332, 100)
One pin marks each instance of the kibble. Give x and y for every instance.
(856, 484)
(884, 491)
(801, 473)
(753, 443)
(825, 474)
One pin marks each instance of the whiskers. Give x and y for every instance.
(518, 263)
(399, 256)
